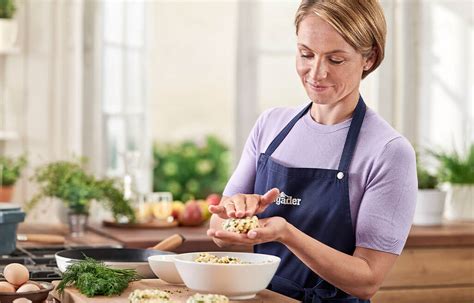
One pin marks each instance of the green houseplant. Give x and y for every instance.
(7, 9)
(457, 172)
(8, 26)
(10, 171)
(430, 199)
(190, 170)
(70, 183)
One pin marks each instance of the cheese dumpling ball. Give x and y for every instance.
(148, 296)
(241, 226)
(209, 298)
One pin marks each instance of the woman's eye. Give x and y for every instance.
(336, 61)
(303, 55)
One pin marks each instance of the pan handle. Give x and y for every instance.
(170, 243)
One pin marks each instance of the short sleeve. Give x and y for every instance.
(388, 204)
(243, 178)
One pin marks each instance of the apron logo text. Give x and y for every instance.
(287, 200)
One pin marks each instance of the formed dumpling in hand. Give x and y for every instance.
(241, 226)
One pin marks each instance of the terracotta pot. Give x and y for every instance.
(6, 193)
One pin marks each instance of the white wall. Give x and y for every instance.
(192, 69)
(446, 111)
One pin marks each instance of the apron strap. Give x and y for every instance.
(352, 136)
(282, 135)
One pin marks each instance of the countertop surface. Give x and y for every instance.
(178, 293)
(446, 235)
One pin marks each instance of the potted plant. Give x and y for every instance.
(430, 199)
(69, 182)
(8, 26)
(10, 171)
(191, 170)
(458, 173)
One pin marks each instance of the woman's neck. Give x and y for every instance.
(330, 114)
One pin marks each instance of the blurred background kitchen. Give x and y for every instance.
(166, 92)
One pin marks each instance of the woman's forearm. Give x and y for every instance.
(352, 274)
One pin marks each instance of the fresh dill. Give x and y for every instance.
(94, 278)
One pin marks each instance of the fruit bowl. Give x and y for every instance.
(237, 281)
(37, 296)
(164, 268)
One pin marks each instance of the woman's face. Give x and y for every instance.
(329, 67)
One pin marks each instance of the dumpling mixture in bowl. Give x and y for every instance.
(208, 258)
(237, 275)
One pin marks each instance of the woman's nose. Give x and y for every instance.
(318, 70)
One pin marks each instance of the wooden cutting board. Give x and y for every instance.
(178, 294)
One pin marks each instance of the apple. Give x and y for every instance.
(204, 205)
(213, 199)
(191, 215)
(177, 209)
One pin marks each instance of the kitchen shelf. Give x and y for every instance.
(8, 135)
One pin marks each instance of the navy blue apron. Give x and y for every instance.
(316, 201)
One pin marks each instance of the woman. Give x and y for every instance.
(333, 184)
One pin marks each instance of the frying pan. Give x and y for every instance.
(132, 258)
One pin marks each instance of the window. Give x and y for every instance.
(123, 100)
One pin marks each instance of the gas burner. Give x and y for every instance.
(40, 261)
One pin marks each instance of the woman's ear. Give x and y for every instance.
(369, 60)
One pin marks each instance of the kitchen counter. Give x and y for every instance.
(448, 234)
(436, 265)
(178, 294)
(89, 238)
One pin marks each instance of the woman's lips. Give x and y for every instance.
(318, 88)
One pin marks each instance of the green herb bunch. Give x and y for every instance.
(94, 278)
(69, 182)
(7, 9)
(426, 180)
(115, 201)
(190, 170)
(10, 169)
(456, 169)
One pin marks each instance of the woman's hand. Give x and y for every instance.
(271, 229)
(244, 205)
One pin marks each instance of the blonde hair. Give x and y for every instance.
(360, 22)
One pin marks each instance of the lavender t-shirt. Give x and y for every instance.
(382, 175)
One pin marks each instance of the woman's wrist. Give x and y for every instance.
(286, 234)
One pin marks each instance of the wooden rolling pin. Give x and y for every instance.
(41, 238)
(169, 243)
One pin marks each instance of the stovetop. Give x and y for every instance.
(40, 261)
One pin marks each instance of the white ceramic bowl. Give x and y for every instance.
(237, 281)
(164, 268)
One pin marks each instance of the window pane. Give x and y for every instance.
(135, 81)
(113, 21)
(279, 84)
(115, 136)
(113, 82)
(135, 11)
(136, 132)
(276, 31)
